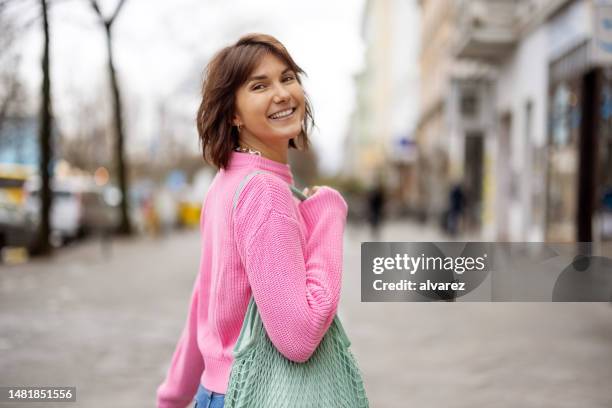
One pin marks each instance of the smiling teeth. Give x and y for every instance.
(282, 114)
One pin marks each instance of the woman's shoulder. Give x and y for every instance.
(263, 191)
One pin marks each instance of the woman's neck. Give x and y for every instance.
(278, 153)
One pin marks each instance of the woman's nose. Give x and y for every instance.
(280, 93)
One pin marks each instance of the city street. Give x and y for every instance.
(107, 321)
(488, 122)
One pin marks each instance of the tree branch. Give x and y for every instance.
(121, 3)
(94, 5)
(107, 22)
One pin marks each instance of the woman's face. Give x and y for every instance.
(270, 105)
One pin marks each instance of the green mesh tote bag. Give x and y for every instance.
(262, 377)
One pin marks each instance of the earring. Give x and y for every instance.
(239, 126)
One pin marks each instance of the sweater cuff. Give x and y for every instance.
(325, 200)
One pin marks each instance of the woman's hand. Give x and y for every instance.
(310, 191)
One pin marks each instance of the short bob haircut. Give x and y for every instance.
(224, 75)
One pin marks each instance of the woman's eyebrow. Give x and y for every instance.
(262, 77)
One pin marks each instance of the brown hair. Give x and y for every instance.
(225, 74)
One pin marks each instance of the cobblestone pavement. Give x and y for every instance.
(107, 323)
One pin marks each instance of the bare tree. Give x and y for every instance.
(86, 150)
(42, 245)
(12, 95)
(125, 227)
(88, 144)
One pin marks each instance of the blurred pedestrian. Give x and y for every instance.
(166, 209)
(151, 217)
(257, 239)
(456, 207)
(376, 203)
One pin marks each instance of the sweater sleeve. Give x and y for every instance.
(181, 383)
(295, 279)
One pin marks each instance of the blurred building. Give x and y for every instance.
(504, 36)
(19, 141)
(515, 96)
(435, 62)
(380, 143)
(580, 127)
(454, 120)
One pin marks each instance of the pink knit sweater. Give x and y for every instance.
(286, 253)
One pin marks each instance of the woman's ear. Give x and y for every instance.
(236, 121)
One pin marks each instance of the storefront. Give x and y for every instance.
(579, 193)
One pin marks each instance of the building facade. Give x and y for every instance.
(534, 158)
(380, 145)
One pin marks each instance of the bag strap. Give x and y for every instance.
(250, 329)
(296, 191)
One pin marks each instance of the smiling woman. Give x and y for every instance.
(269, 260)
(248, 91)
(270, 108)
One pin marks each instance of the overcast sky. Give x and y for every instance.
(161, 48)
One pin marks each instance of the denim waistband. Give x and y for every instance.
(204, 394)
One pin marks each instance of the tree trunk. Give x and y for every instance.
(125, 227)
(42, 245)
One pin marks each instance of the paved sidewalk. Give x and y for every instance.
(475, 354)
(109, 324)
(106, 324)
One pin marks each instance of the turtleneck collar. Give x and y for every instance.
(242, 160)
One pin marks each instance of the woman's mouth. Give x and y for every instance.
(283, 115)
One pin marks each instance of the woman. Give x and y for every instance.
(256, 237)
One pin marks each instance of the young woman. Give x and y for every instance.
(257, 239)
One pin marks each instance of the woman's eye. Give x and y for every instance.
(289, 78)
(258, 87)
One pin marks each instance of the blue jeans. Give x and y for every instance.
(209, 399)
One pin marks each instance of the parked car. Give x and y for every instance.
(17, 228)
(99, 209)
(79, 208)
